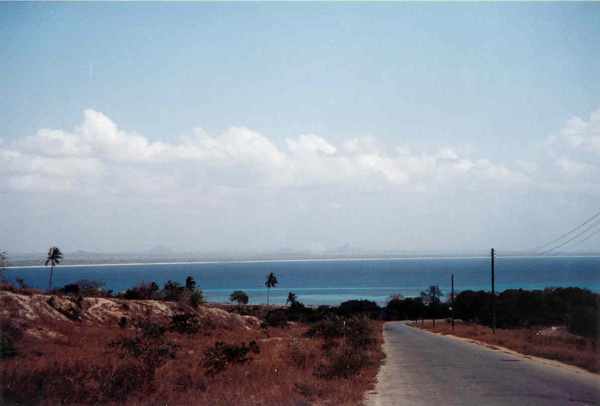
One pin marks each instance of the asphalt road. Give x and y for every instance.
(422, 368)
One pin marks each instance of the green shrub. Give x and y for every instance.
(307, 390)
(359, 333)
(221, 356)
(344, 363)
(72, 313)
(172, 291)
(356, 307)
(277, 318)
(239, 297)
(7, 350)
(126, 379)
(298, 352)
(331, 327)
(584, 322)
(196, 299)
(149, 346)
(143, 291)
(184, 323)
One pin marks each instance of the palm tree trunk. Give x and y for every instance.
(50, 286)
(268, 290)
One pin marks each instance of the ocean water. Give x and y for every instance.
(331, 282)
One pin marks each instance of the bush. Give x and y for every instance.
(298, 352)
(405, 309)
(72, 313)
(221, 356)
(344, 363)
(84, 288)
(329, 328)
(356, 307)
(143, 291)
(298, 312)
(184, 323)
(277, 318)
(359, 333)
(172, 291)
(584, 322)
(125, 379)
(321, 313)
(196, 299)
(574, 307)
(148, 347)
(7, 350)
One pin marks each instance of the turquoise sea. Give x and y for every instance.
(331, 282)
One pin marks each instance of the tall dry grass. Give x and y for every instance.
(72, 364)
(535, 341)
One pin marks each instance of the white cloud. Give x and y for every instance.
(364, 144)
(312, 144)
(102, 135)
(98, 152)
(571, 167)
(55, 143)
(241, 179)
(582, 135)
(464, 165)
(384, 166)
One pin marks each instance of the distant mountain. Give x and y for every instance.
(161, 249)
(347, 249)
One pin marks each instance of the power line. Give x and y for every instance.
(576, 244)
(568, 241)
(532, 250)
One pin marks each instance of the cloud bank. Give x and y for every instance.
(247, 192)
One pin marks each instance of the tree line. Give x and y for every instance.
(577, 308)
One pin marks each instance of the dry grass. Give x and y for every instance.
(72, 365)
(538, 341)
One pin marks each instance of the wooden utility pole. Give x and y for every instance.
(493, 294)
(452, 302)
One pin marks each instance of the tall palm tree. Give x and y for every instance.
(270, 283)
(54, 257)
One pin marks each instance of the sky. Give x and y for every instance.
(306, 126)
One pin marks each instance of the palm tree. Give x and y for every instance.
(270, 283)
(291, 299)
(54, 257)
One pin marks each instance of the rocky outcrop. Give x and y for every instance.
(28, 312)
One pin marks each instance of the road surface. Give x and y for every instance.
(423, 368)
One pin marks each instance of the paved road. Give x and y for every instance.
(422, 368)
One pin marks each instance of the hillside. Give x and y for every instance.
(33, 313)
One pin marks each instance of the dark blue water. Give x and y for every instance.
(332, 282)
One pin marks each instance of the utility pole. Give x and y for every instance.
(452, 303)
(493, 294)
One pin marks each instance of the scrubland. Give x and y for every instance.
(539, 341)
(152, 360)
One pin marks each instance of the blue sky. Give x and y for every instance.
(304, 125)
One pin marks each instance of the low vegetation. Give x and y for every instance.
(184, 358)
